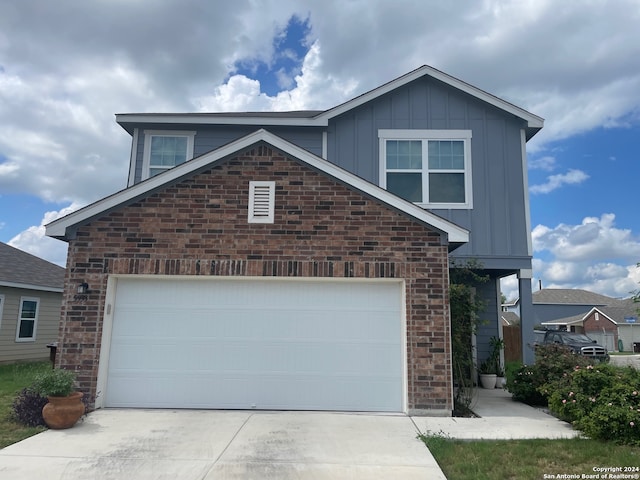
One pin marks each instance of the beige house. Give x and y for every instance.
(30, 301)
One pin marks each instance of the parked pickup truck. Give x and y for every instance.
(579, 343)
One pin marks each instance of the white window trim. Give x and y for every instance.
(148, 134)
(261, 204)
(35, 320)
(425, 135)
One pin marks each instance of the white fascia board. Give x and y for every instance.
(195, 119)
(562, 322)
(58, 228)
(532, 120)
(28, 286)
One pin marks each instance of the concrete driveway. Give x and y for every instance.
(207, 444)
(624, 360)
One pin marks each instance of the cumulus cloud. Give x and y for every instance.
(314, 89)
(594, 255)
(572, 177)
(595, 239)
(34, 241)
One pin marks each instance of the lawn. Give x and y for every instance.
(14, 378)
(529, 459)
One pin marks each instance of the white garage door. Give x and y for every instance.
(265, 344)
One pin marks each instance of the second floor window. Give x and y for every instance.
(431, 168)
(166, 149)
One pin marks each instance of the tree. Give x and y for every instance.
(466, 306)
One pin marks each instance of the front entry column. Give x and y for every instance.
(527, 336)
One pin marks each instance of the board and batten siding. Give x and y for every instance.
(497, 221)
(46, 329)
(209, 138)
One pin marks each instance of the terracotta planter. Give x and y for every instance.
(63, 412)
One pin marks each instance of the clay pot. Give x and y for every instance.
(63, 412)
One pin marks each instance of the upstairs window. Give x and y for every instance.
(431, 168)
(165, 149)
(27, 319)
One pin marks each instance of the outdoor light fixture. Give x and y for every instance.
(81, 293)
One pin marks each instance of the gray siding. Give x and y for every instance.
(46, 329)
(548, 312)
(488, 326)
(210, 138)
(497, 221)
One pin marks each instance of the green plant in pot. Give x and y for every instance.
(487, 372)
(64, 407)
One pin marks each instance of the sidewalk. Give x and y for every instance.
(501, 418)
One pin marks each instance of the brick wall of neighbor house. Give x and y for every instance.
(322, 229)
(593, 325)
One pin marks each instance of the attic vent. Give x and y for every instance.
(262, 197)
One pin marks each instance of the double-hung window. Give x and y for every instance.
(166, 149)
(27, 319)
(431, 168)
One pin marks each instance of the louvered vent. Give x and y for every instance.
(261, 201)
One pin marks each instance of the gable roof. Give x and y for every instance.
(320, 118)
(64, 228)
(570, 296)
(20, 269)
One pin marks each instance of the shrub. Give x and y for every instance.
(602, 401)
(530, 383)
(27, 408)
(54, 383)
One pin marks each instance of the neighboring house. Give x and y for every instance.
(510, 319)
(299, 260)
(30, 300)
(605, 319)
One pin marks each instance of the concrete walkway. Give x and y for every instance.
(211, 444)
(500, 419)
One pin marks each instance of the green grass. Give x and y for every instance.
(14, 378)
(525, 459)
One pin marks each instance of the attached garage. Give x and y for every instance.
(263, 343)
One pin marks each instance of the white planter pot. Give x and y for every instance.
(488, 380)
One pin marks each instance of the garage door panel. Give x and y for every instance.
(256, 344)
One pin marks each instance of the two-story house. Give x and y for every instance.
(298, 260)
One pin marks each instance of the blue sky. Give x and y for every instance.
(65, 73)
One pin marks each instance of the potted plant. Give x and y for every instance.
(487, 372)
(65, 405)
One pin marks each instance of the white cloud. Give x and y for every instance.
(595, 256)
(594, 240)
(572, 177)
(314, 89)
(546, 163)
(34, 241)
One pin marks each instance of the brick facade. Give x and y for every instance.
(598, 323)
(198, 226)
